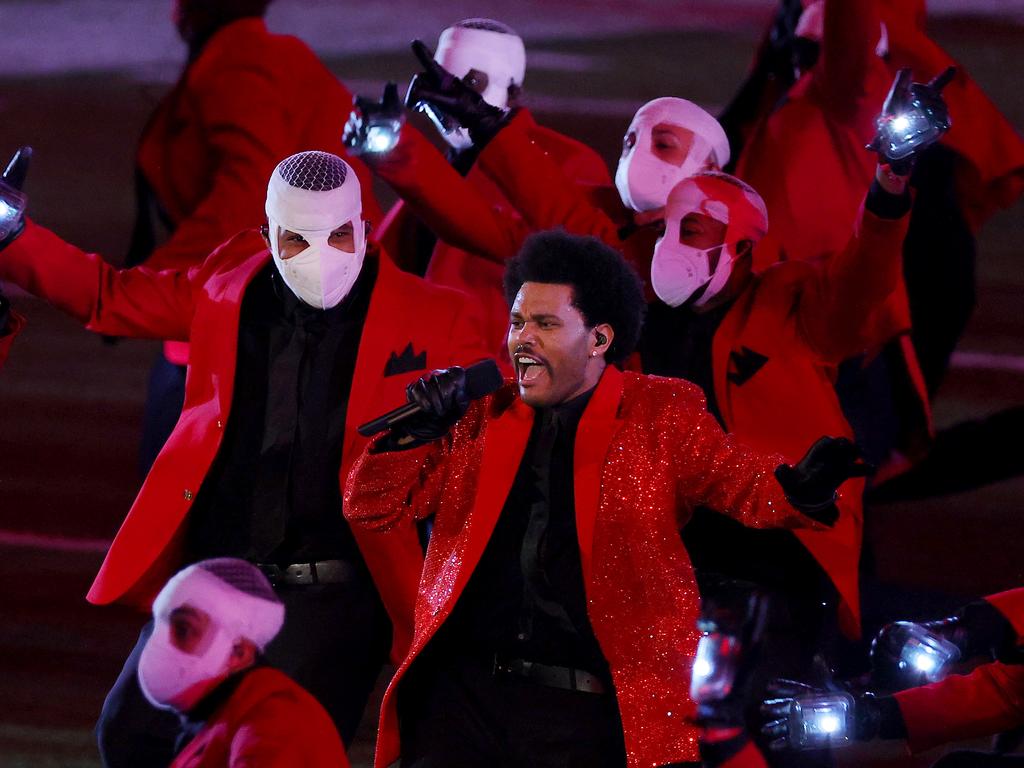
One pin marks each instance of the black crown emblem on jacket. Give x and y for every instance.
(406, 362)
(745, 363)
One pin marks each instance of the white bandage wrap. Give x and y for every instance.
(238, 613)
(679, 270)
(643, 179)
(312, 194)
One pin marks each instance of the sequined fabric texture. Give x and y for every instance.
(666, 455)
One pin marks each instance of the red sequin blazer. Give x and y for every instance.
(646, 453)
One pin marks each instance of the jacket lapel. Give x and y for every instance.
(598, 426)
(379, 338)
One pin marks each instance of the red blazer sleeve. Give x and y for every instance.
(445, 200)
(15, 323)
(851, 33)
(537, 187)
(246, 126)
(139, 302)
(1011, 605)
(834, 309)
(246, 122)
(989, 700)
(716, 471)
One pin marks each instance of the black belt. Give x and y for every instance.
(301, 574)
(554, 677)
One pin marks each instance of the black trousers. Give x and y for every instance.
(165, 394)
(453, 713)
(334, 642)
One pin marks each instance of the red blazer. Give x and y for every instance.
(988, 700)
(249, 100)
(991, 172)
(478, 228)
(268, 722)
(1011, 604)
(646, 453)
(409, 321)
(797, 321)
(15, 323)
(805, 318)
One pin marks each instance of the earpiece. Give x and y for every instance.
(601, 339)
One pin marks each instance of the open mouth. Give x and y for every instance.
(529, 368)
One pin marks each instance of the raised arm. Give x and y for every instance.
(848, 287)
(757, 490)
(136, 302)
(537, 187)
(445, 201)
(852, 29)
(246, 122)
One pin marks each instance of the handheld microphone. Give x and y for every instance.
(482, 379)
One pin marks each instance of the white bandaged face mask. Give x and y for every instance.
(313, 194)
(680, 270)
(643, 178)
(320, 275)
(487, 60)
(166, 672)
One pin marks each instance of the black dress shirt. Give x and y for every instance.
(676, 342)
(526, 597)
(273, 493)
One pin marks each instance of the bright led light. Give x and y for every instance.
(924, 662)
(380, 139)
(829, 723)
(6, 211)
(701, 668)
(901, 123)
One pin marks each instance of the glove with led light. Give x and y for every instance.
(914, 116)
(374, 126)
(800, 716)
(906, 654)
(438, 90)
(12, 200)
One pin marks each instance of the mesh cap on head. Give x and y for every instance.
(241, 575)
(314, 192)
(235, 594)
(488, 25)
(315, 171)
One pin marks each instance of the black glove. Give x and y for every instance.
(12, 200)
(978, 629)
(870, 716)
(811, 485)
(913, 118)
(442, 397)
(374, 126)
(5, 313)
(437, 88)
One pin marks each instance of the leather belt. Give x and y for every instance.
(554, 677)
(301, 574)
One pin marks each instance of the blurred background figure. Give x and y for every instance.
(452, 221)
(204, 661)
(246, 99)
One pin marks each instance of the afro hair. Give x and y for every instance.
(605, 288)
